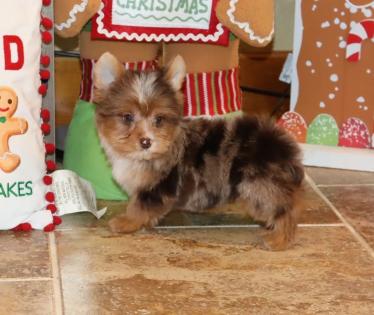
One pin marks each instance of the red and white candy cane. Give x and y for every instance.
(359, 32)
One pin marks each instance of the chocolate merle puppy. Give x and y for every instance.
(166, 162)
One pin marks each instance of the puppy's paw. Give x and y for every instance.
(275, 243)
(123, 224)
(259, 243)
(269, 242)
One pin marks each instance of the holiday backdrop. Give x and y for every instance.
(333, 79)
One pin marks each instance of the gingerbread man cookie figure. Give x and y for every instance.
(9, 126)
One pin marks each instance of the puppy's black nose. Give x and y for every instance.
(145, 143)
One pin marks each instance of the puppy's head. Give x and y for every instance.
(138, 113)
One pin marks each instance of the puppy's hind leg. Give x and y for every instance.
(280, 226)
(282, 229)
(277, 210)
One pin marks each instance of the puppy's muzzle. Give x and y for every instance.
(145, 143)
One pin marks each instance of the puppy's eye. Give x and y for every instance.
(159, 120)
(128, 118)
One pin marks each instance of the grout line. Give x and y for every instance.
(201, 227)
(251, 226)
(345, 185)
(57, 286)
(349, 226)
(69, 229)
(322, 225)
(25, 279)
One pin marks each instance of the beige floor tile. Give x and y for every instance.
(314, 211)
(214, 272)
(328, 176)
(26, 298)
(357, 205)
(24, 255)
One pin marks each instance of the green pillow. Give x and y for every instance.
(84, 155)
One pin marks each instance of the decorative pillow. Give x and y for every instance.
(25, 198)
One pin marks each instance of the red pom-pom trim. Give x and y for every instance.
(46, 128)
(45, 74)
(50, 196)
(23, 227)
(51, 207)
(17, 228)
(42, 89)
(47, 23)
(45, 114)
(50, 148)
(56, 220)
(47, 180)
(45, 60)
(46, 2)
(46, 37)
(51, 165)
(49, 228)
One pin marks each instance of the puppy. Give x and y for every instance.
(166, 162)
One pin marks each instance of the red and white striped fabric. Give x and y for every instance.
(212, 93)
(206, 93)
(359, 32)
(86, 89)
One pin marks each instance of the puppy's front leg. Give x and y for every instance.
(142, 211)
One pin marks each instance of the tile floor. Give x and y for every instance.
(196, 264)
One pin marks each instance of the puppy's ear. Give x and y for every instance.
(107, 70)
(176, 72)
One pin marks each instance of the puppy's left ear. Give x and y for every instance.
(176, 72)
(107, 70)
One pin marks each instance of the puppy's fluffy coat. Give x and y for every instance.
(166, 162)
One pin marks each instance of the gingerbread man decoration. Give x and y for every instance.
(9, 126)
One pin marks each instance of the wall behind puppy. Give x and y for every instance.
(284, 23)
(260, 68)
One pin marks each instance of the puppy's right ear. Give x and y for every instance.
(107, 70)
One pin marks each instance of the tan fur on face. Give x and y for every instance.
(146, 97)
